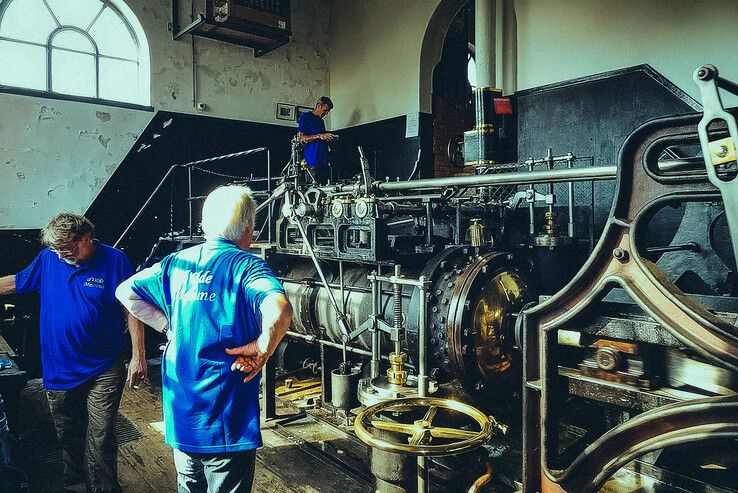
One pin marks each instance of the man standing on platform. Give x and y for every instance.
(225, 312)
(311, 130)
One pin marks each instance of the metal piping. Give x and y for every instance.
(570, 185)
(484, 42)
(397, 309)
(343, 323)
(376, 359)
(269, 189)
(554, 176)
(531, 204)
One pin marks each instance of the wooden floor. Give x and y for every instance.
(286, 463)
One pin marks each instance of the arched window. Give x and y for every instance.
(90, 48)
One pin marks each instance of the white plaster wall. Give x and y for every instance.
(565, 39)
(56, 155)
(230, 81)
(375, 50)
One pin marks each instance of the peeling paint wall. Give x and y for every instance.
(229, 80)
(56, 155)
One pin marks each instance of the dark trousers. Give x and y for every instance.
(84, 418)
(222, 473)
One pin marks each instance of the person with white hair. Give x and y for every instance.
(224, 312)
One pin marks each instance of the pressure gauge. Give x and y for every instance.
(337, 209)
(361, 208)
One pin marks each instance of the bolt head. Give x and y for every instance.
(620, 254)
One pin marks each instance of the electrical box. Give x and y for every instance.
(260, 24)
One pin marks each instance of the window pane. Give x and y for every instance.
(72, 73)
(471, 72)
(112, 36)
(22, 65)
(27, 20)
(118, 80)
(78, 13)
(73, 41)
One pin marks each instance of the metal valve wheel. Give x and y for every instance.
(421, 432)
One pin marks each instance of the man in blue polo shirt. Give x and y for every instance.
(311, 130)
(224, 310)
(82, 341)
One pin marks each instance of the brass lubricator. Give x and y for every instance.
(396, 374)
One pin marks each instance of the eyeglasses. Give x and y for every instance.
(69, 249)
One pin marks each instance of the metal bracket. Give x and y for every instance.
(720, 151)
(191, 27)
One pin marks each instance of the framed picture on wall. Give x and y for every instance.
(286, 112)
(301, 110)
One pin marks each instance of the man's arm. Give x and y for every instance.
(304, 138)
(7, 285)
(148, 313)
(276, 316)
(137, 367)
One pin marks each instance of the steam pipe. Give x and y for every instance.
(596, 173)
(484, 42)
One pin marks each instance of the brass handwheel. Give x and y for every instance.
(422, 432)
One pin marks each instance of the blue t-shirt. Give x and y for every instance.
(82, 323)
(316, 152)
(211, 294)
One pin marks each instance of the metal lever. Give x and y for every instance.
(365, 171)
(706, 78)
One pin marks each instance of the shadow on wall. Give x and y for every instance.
(355, 117)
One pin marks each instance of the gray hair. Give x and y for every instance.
(65, 228)
(228, 212)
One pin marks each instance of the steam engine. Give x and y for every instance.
(480, 308)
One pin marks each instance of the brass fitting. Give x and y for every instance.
(396, 374)
(476, 233)
(548, 226)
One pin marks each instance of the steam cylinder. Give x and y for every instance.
(474, 295)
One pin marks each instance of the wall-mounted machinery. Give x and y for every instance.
(263, 26)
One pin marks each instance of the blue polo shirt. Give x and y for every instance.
(82, 323)
(316, 152)
(211, 294)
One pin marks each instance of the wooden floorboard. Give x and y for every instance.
(145, 464)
